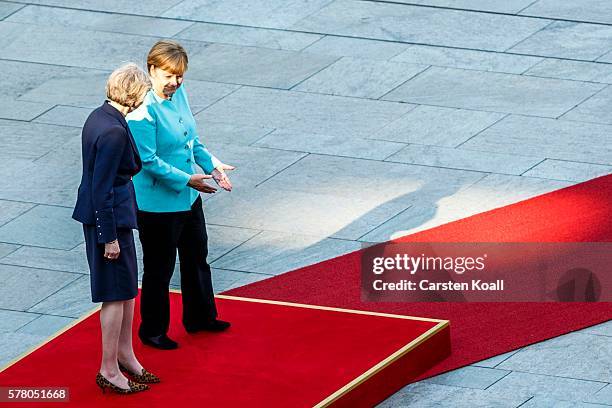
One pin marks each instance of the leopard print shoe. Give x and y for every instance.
(144, 377)
(103, 383)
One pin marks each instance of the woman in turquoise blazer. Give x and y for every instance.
(170, 215)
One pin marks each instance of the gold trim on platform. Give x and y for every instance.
(441, 324)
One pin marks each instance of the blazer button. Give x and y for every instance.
(186, 147)
(188, 160)
(185, 133)
(181, 120)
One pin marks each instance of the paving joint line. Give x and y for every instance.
(317, 33)
(380, 98)
(281, 170)
(499, 13)
(480, 131)
(583, 101)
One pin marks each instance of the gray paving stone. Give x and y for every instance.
(58, 175)
(325, 114)
(253, 164)
(14, 344)
(347, 146)
(58, 185)
(544, 402)
(494, 361)
(436, 206)
(491, 91)
(46, 325)
(324, 215)
(52, 259)
(6, 249)
(603, 329)
(555, 139)
(224, 279)
(44, 226)
(564, 39)
(297, 200)
(356, 47)
(424, 395)
(576, 70)
(249, 36)
(259, 13)
(31, 140)
(595, 109)
(465, 159)
(25, 76)
(567, 170)
(415, 218)
(86, 89)
(24, 287)
(452, 28)
(10, 210)
(75, 47)
(359, 77)
(603, 396)
(222, 239)
(152, 8)
(72, 301)
(596, 11)
(527, 384)
(588, 354)
(65, 116)
(11, 320)
(432, 125)
(7, 9)
(118, 23)
(8, 31)
(203, 94)
(23, 110)
(385, 181)
(255, 66)
(499, 6)
(214, 133)
(467, 59)
(469, 377)
(276, 252)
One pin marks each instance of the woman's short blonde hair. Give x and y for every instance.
(127, 85)
(168, 55)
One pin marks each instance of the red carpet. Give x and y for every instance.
(274, 355)
(579, 213)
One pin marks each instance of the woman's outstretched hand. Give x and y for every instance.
(221, 177)
(197, 181)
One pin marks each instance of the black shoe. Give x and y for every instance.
(211, 326)
(162, 342)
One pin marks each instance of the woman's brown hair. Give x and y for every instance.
(168, 55)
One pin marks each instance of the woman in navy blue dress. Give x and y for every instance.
(106, 205)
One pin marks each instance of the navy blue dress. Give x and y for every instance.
(106, 203)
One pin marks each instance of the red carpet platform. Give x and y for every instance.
(275, 355)
(579, 213)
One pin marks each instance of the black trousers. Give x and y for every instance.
(161, 234)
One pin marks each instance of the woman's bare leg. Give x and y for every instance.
(126, 351)
(111, 317)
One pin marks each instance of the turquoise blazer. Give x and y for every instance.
(167, 140)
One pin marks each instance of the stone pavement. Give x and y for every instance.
(349, 121)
